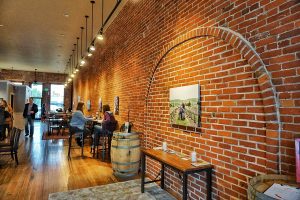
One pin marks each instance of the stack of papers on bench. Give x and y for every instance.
(280, 191)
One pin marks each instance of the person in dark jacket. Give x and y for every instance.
(29, 114)
(109, 124)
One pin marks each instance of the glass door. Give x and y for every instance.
(37, 89)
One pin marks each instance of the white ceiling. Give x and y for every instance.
(36, 34)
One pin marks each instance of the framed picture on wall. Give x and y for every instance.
(88, 105)
(100, 104)
(116, 105)
(185, 105)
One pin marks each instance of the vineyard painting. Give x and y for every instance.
(184, 105)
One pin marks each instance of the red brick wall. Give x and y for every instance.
(249, 96)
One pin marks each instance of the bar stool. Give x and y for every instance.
(76, 132)
(106, 136)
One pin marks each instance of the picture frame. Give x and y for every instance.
(116, 105)
(185, 106)
(100, 104)
(88, 105)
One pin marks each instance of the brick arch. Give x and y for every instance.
(269, 97)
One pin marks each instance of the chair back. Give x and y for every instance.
(110, 126)
(12, 136)
(16, 139)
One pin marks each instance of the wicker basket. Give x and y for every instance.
(259, 184)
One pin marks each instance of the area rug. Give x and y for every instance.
(129, 190)
(55, 136)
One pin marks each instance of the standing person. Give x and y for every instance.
(29, 114)
(78, 121)
(8, 118)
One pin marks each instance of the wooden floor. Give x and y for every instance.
(44, 168)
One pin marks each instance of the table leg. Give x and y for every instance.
(162, 180)
(184, 186)
(143, 157)
(208, 184)
(49, 127)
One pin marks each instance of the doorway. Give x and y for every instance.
(36, 92)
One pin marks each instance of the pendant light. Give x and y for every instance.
(82, 62)
(70, 63)
(92, 47)
(81, 46)
(73, 62)
(76, 68)
(100, 35)
(72, 75)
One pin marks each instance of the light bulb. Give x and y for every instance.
(69, 79)
(74, 72)
(72, 75)
(92, 48)
(82, 62)
(77, 70)
(89, 54)
(100, 36)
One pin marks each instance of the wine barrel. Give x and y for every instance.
(125, 154)
(259, 184)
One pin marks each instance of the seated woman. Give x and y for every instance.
(108, 124)
(78, 122)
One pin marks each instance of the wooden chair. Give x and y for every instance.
(74, 131)
(11, 139)
(12, 147)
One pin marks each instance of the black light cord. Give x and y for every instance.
(77, 51)
(86, 30)
(81, 39)
(92, 2)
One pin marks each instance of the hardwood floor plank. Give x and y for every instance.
(44, 168)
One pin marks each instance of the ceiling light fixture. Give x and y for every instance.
(76, 68)
(92, 47)
(100, 35)
(81, 46)
(74, 64)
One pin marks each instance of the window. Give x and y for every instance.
(37, 90)
(57, 97)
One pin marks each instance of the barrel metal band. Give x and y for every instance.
(125, 147)
(128, 163)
